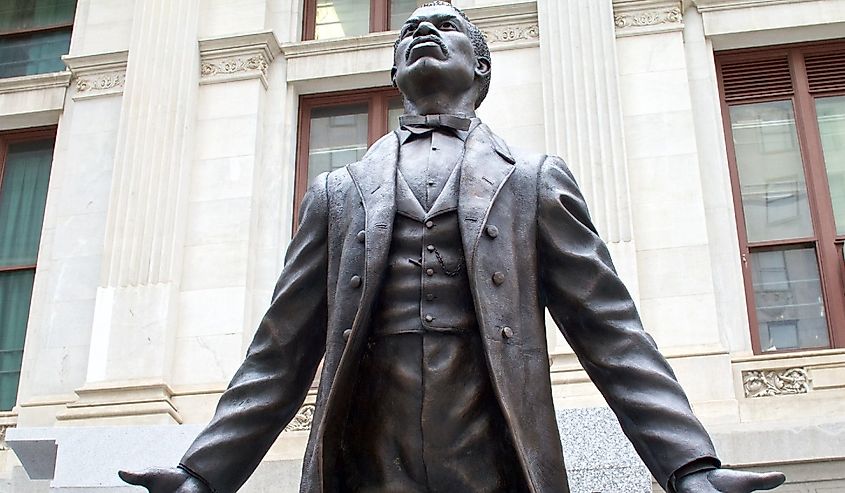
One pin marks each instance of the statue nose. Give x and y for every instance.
(424, 29)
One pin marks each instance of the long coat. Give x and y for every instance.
(522, 219)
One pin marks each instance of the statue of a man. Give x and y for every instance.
(421, 274)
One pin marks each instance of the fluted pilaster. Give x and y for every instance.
(136, 308)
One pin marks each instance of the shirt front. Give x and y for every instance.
(424, 416)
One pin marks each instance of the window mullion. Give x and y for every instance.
(820, 201)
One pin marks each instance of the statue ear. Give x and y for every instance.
(393, 76)
(482, 66)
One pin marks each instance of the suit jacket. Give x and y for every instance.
(523, 220)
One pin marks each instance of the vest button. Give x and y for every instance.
(498, 278)
(492, 231)
(346, 334)
(430, 248)
(355, 281)
(429, 272)
(361, 236)
(507, 332)
(429, 318)
(429, 224)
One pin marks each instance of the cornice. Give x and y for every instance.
(98, 74)
(34, 82)
(714, 5)
(508, 26)
(636, 17)
(239, 57)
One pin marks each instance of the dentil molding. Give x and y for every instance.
(97, 75)
(246, 56)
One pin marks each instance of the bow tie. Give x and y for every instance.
(435, 121)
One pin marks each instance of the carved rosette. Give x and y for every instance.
(99, 84)
(767, 383)
(648, 18)
(303, 419)
(512, 33)
(235, 65)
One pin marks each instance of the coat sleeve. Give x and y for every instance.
(271, 384)
(595, 312)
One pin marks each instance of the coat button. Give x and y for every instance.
(361, 236)
(492, 231)
(507, 332)
(429, 272)
(429, 224)
(346, 334)
(430, 248)
(498, 278)
(355, 281)
(429, 297)
(429, 318)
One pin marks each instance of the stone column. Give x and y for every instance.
(584, 116)
(136, 309)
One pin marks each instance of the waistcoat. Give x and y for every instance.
(426, 281)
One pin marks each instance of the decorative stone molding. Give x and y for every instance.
(512, 33)
(303, 419)
(34, 82)
(784, 381)
(712, 5)
(241, 57)
(634, 17)
(3, 429)
(102, 74)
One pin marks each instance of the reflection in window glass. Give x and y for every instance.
(342, 18)
(33, 53)
(831, 115)
(788, 299)
(395, 109)
(18, 15)
(771, 174)
(338, 137)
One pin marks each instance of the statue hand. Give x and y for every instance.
(728, 481)
(159, 480)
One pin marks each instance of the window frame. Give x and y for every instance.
(378, 102)
(14, 137)
(41, 30)
(379, 17)
(827, 245)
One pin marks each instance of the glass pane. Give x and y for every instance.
(771, 174)
(341, 18)
(788, 298)
(395, 109)
(23, 193)
(15, 294)
(16, 15)
(400, 10)
(831, 114)
(36, 53)
(338, 137)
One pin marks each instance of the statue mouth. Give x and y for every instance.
(427, 42)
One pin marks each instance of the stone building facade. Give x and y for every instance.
(176, 138)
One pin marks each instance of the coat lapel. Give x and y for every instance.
(375, 178)
(486, 167)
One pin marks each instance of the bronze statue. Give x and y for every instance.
(420, 275)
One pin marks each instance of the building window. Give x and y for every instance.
(25, 159)
(327, 19)
(336, 129)
(784, 115)
(34, 34)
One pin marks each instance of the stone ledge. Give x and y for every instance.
(35, 82)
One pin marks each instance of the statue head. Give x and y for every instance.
(441, 56)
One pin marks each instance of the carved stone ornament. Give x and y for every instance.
(509, 33)
(303, 419)
(785, 381)
(3, 429)
(255, 63)
(648, 18)
(101, 82)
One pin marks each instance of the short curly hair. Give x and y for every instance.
(479, 44)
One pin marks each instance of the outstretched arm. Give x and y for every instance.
(596, 314)
(271, 384)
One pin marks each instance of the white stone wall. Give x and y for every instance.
(624, 90)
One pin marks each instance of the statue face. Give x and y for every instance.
(435, 55)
